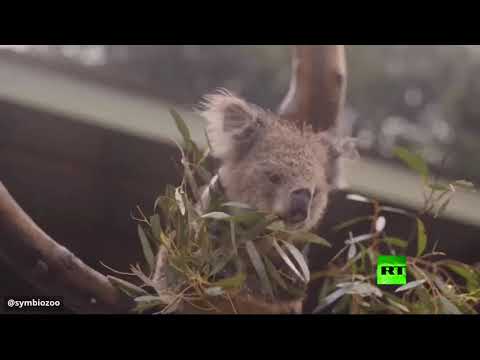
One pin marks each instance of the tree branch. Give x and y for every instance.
(50, 267)
(317, 87)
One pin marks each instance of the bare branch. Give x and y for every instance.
(50, 267)
(317, 86)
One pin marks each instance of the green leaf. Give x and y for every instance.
(421, 237)
(234, 282)
(147, 250)
(398, 305)
(217, 215)
(442, 207)
(214, 291)
(308, 237)
(396, 242)
(410, 285)
(128, 288)
(259, 267)
(181, 126)
(298, 256)
(220, 263)
(155, 224)
(466, 272)
(413, 161)
(352, 251)
(359, 198)
(287, 260)
(179, 199)
(278, 225)
(330, 299)
(351, 222)
(275, 275)
(439, 187)
(236, 205)
(448, 307)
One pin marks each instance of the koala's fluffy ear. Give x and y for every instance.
(338, 149)
(233, 125)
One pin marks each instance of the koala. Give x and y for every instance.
(270, 163)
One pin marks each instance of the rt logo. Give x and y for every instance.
(391, 270)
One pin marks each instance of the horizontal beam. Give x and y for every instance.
(92, 102)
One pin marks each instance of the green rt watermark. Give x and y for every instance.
(391, 270)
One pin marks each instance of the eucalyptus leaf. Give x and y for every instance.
(358, 198)
(359, 238)
(259, 267)
(398, 305)
(274, 273)
(441, 209)
(217, 215)
(287, 260)
(155, 225)
(127, 287)
(181, 126)
(413, 161)
(395, 242)
(421, 237)
(298, 256)
(352, 222)
(308, 237)
(448, 307)
(214, 291)
(179, 199)
(146, 247)
(410, 285)
(234, 282)
(236, 205)
(352, 251)
(330, 299)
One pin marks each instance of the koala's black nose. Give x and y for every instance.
(300, 200)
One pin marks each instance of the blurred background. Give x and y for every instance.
(84, 132)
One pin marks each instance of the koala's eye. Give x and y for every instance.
(274, 178)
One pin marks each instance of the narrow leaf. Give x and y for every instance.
(236, 205)
(359, 238)
(128, 288)
(380, 224)
(234, 282)
(442, 207)
(352, 251)
(396, 242)
(413, 161)
(259, 267)
(287, 260)
(181, 126)
(410, 285)
(214, 291)
(330, 299)
(351, 222)
(308, 237)
(275, 275)
(155, 224)
(448, 307)
(298, 256)
(359, 198)
(421, 237)
(398, 305)
(147, 249)
(216, 215)
(179, 199)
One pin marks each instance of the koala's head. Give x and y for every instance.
(269, 163)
